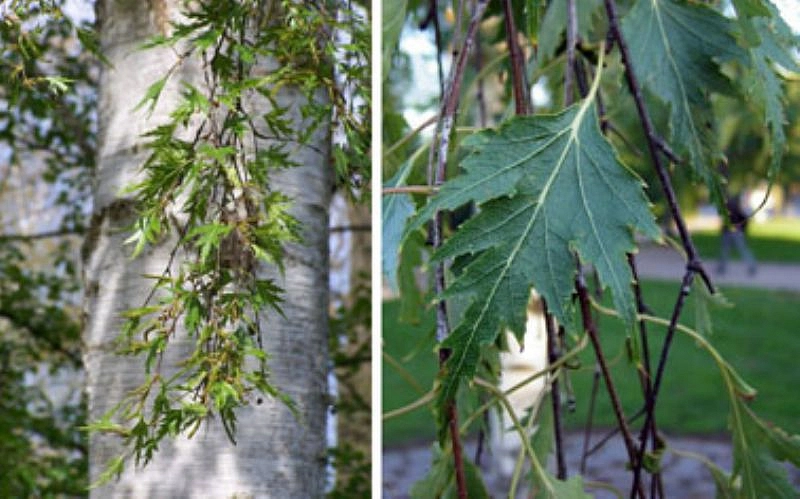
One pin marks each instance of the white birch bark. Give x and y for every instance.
(516, 365)
(276, 455)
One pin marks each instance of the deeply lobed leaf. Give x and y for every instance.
(676, 48)
(551, 187)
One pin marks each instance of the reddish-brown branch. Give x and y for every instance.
(410, 189)
(553, 354)
(693, 266)
(591, 330)
(521, 100)
(572, 35)
(437, 176)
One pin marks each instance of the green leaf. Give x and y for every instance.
(746, 10)
(534, 12)
(151, 95)
(412, 305)
(90, 42)
(553, 26)
(396, 209)
(58, 84)
(112, 470)
(764, 85)
(440, 481)
(557, 188)
(572, 488)
(703, 300)
(676, 49)
(758, 449)
(543, 438)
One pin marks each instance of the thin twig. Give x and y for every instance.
(612, 433)
(587, 431)
(521, 100)
(410, 135)
(410, 189)
(694, 264)
(40, 235)
(591, 330)
(350, 228)
(646, 374)
(479, 97)
(553, 353)
(650, 401)
(445, 123)
(668, 152)
(461, 479)
(572, 34)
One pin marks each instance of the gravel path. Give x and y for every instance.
(683, 477)
(666, 263)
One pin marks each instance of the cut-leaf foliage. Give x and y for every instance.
(553, 25)
(556, 188)
(440, 482)
(676, 49)
(572, 488)
(396, 209)
(758, 449)
(764, 85)
(746, 12)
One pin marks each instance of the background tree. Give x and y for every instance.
(47, 145)
(236, 101)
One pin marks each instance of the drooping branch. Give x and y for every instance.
(653, 140)
(572, 34)
(694, 265)
(591, 329)
(40, 235)
(646, 373)
(521, 99)
(445, 124)
(410, 189)
(553, 354)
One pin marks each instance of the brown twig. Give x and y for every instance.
(410, 189)
(445, 123)
(694, 265)
(590, 327)
(653, 140)
(479, 97)
(587, 431)
(646, 374)
(521, 100)
(553, 354)
(572, 35)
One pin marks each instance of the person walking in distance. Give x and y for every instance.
(734, 228)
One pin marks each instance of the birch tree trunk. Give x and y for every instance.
(276, 455)
(355, 427)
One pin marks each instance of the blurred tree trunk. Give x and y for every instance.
(276, 455)
(354, 427)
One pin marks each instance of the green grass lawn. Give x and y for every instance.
(777, 240)
(759, 336)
